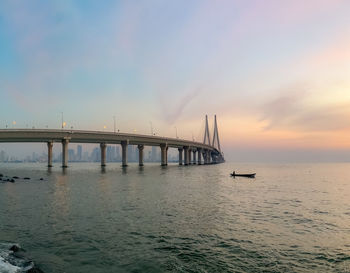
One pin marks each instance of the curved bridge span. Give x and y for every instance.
(190, 152)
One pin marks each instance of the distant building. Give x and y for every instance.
(131, 153)
(117, 154)
(35, 157)
(79, 153)
(96, 154)
(3, 156)
(71, 155)
(111, 157)
(154, 154)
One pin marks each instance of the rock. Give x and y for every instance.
(1, 175)
(15, 248)
(41, 178)
(26, 178)
(19, 254)
(35, 270)
(12, 180)
(15, 177)
(18, 258)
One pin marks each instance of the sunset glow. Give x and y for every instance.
(277, 74)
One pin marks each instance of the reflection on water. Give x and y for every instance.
(291, 218)
(125, 170)
(61, 196)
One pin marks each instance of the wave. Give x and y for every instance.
(12, 260)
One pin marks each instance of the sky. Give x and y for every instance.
(276, 73)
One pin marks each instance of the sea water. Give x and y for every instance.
(290, 218)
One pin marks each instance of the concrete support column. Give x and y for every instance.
(180, 155)
(65, 153)
(103, 147)
(194, 157)
(49, 154)
(205, 156)
(140, 147)
(199, 156)
(189, 156)
(164, 154)
(124, 145)
(213, 158)
(186, 155)
(208, 157)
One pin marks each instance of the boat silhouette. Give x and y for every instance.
(249, 175)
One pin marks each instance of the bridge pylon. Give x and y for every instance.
(218, 157)
(206, 132)
(216, 136)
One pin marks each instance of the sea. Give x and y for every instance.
(290, 218)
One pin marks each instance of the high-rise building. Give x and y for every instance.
(34, 157)
(131, 153)
(3, 156)
(136, 154)
(96, 154)
(79, 153)
(111, 154)
(117, 154)
(149, 158)
(71, 154)
(154, 154)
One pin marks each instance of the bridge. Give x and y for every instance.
(190, 152)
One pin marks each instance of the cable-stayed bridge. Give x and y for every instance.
(190, 152)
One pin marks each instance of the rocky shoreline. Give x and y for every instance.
(14, 259)
(5, 178)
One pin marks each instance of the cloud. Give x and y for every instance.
(173, 110)
(281, 109)
(325, 118)
(292, 111)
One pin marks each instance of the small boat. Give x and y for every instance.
(250, 175)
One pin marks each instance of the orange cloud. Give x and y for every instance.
(248, 131)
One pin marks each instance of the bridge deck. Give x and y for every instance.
(80, 136)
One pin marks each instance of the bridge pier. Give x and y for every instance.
(205, 157)
(194, 157)
(140, 147)
(49, 153)
(190, 156)
(199, 156)
(186, 152)
(65, 153)
(214, 158)
(124, 145)
(164, 154)
(103, 147)
(180, 155)
(208, 157)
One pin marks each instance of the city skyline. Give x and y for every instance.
(276, 74)
(90, 153)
